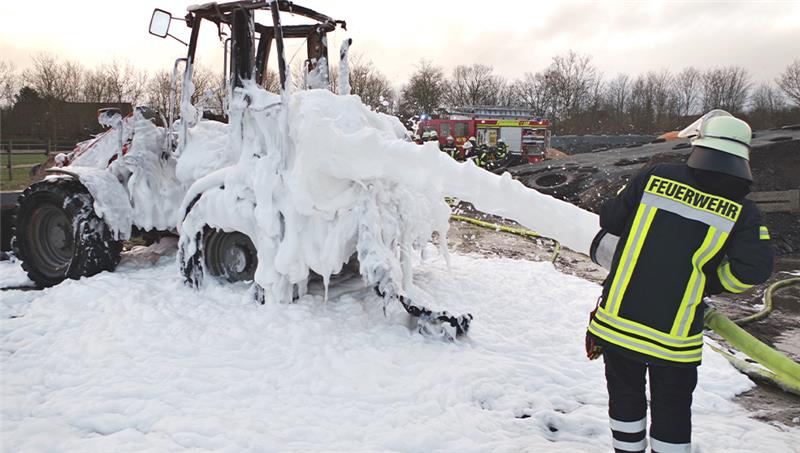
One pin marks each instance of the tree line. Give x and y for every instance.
(570, 91)
(577, 98)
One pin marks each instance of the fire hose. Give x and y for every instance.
(507, 229)
(779, 369)
(776, 368)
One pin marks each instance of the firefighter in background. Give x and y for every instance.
(468, 150)
(486, 157)
(434, 137)
(473, 142)
(426, 136)
(501, 150)
(450, 148)
(685, 231)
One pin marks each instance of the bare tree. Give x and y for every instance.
(641, 111)
(272, 83)
(9, 83)
(725, 88)
(534, 93)
(425, 90)
(54, 79)
(96, 87)
(371, 85)
(126, 83)
(789, 82)
(766, 106)
(663, 101)
(474, 85)
(157, 91)
(687, 89)
(618, 93)
(571, 78)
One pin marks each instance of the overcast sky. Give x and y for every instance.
(513, 36)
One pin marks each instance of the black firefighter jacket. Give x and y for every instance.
(680, 239)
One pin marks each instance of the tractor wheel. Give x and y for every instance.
(228, 255)
(58, 235)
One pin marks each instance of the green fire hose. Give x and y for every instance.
(780, 369)
(518, 231)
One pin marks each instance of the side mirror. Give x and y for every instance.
(159, 23)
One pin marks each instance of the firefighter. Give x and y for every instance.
(450, 148)
(434, 137)
(468, 150)
(474, 142)
(486, 157)
(426, 136)
(501, 150)
(685, 231)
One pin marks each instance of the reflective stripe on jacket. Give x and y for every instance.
(678, 243)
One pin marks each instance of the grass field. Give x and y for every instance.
(19, 176)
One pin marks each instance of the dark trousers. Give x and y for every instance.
(670, 404)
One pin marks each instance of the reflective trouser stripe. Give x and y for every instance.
(729, 281)
(697, 281)
(668, 447)
(636, 236)
(763, 233)
(629, 446)
(629, 427)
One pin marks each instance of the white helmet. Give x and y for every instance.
(467, 145)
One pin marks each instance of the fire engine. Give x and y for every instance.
(526, 135)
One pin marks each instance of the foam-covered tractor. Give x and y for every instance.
(130, 180)
(298, 192)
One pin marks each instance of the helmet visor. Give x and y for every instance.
(719, 161)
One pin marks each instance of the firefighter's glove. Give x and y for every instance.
(593, 350)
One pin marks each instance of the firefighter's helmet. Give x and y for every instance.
(434, 135)
(472, 139)
(426, 135)
(500, 141)
(467, 146)
(450, 139)
(722, 145)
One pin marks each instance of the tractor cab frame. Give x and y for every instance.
(248, 46)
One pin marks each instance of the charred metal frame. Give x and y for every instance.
(247, 61)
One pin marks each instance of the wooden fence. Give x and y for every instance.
(44, 148)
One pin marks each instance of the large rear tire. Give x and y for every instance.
(230, 256)
(58, 235)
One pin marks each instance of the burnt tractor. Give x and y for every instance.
(248, 196)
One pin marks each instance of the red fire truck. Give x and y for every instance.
(527, 139)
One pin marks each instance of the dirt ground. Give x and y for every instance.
(781, 329)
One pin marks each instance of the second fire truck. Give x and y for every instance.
(527, 136)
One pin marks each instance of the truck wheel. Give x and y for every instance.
(58, 235)
(231, 256)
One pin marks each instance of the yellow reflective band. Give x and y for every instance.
(692, 197)
(630, 255)
(697, 281)
(644, 347)
(729, 281)
(763, 233)
(642, 330)
(512, 123)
